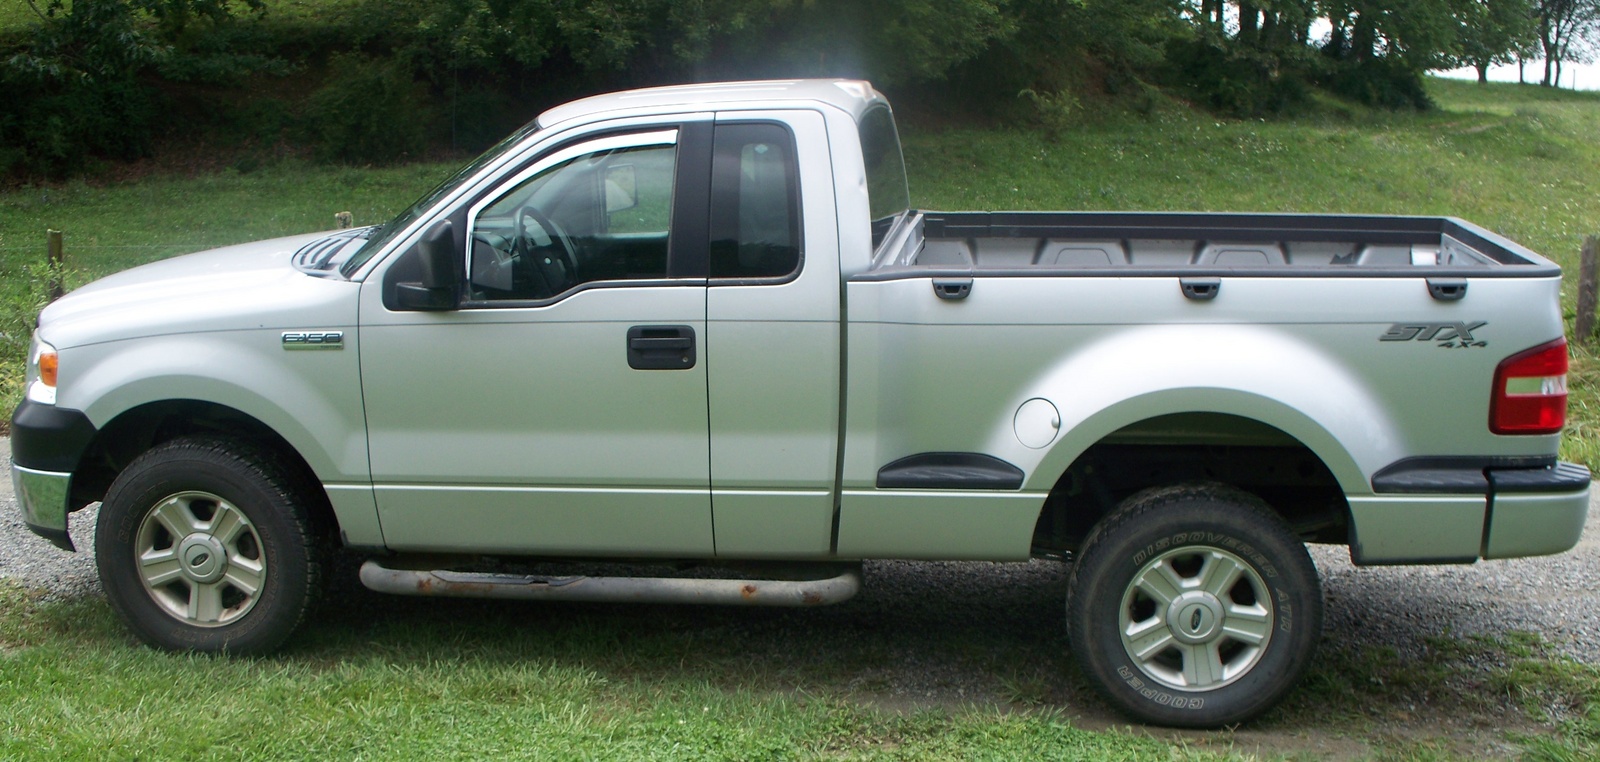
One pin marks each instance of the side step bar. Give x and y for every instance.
(723, 592)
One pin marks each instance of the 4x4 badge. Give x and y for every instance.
(1449, 335)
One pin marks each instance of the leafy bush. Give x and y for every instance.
(75, 79)
(370, 112)
(1383, 82)
(65, 122)
(1239, 82)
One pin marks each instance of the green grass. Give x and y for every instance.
(378, 677)
(465, 681)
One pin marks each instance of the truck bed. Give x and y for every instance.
(1199, 244)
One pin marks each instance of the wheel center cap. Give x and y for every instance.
(1195, 617)
(202, 558)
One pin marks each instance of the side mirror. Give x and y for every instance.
(622, 188)
(440, 285)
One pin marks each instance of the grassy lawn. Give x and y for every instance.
(391, 678)
(457, 680)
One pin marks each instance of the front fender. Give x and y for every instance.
(310, 398)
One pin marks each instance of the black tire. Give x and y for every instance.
(1203, 662)
(211, 517)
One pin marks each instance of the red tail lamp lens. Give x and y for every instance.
(1530, 391)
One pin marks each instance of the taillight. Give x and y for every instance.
(1530, 391)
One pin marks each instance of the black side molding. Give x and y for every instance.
(49, 438)
(1469, 474)
(1563, 477)
(950, 470)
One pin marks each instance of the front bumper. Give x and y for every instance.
(43, 497)
(47, 443)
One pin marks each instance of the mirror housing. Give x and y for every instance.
(622, 188)
(440, 285)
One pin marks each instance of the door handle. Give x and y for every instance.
(661, 347)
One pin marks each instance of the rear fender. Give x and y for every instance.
(1253, 372)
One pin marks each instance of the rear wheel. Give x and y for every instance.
(1193, 606)
(208, 544)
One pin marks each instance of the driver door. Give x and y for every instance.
(562, 408)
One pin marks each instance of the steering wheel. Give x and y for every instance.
(558, 240)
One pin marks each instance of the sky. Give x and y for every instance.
(1583, 76)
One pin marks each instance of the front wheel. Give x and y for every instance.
(1193, 606)
(208, 544)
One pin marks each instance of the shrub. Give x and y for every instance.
(1238, 82)
(1381, 82)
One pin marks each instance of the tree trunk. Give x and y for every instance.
(1548, 46)
(1363, 39)
(1483, 73)
(1249, 21)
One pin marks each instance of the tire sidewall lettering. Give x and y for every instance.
(1221, 540)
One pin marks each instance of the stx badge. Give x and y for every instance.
(1449, 335)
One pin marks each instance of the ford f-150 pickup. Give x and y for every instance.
(704, 326)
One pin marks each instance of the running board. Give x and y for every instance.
(722, 592)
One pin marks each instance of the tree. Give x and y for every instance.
(1495, 32)
(1568, 29)
(78, 69)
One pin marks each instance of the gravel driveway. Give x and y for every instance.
(1557, 597)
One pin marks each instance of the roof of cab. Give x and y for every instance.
(852, 96)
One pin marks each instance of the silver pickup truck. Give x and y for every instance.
(703, 326)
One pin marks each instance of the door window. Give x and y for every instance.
(755, 202)
(597, 211)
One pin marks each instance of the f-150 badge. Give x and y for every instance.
(1449, 335)
(313, 340)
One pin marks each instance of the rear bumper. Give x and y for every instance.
(1457, 511)
(1536, 512)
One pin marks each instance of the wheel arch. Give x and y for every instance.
(1230, 403)
(1236, 438)
(135, 431)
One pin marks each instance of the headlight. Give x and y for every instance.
(43, 365)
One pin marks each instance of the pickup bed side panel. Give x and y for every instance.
(1303, 355)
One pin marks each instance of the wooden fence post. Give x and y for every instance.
(57, 259)
(1588, 289)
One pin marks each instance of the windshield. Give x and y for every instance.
(381, 235)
